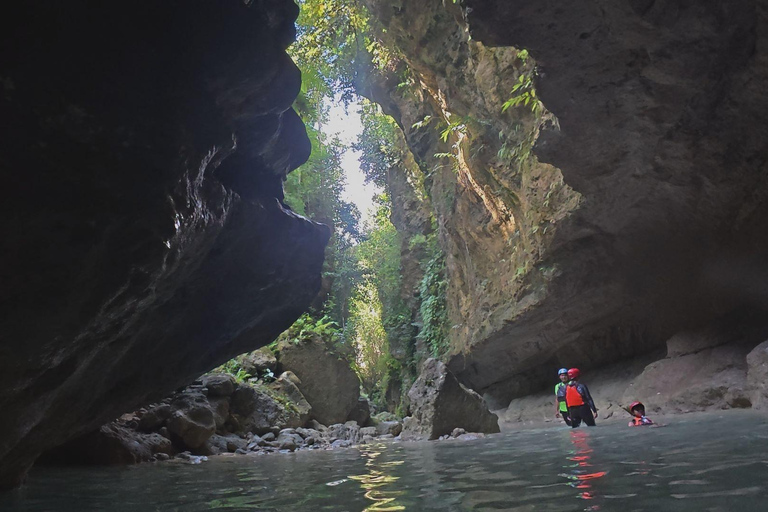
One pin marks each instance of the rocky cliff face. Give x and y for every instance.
(662, 129)
(144, 239)
(651, 218)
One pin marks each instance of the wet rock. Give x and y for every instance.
(223, 444)
(162, 456)
(219, 384)
(191, 459)
(457, 432)
(268, 437)
(362, 412)
(260, 362)
(327, 382)
(389, 427)
(440, 404)
(757, 376)
(341, 443)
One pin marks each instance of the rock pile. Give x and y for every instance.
(217, 415)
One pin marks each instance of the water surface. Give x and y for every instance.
(712, 462)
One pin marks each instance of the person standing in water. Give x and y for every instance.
(561, 408)
(579, 401)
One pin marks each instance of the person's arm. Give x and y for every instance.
(557, 401)
(588, 398)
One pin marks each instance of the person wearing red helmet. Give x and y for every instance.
(637, 410)
(579, 401)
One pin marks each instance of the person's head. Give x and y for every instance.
(637, 409)
(563, 374)
(574, 374)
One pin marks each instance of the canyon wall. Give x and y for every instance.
(142, 152)
(641, 210)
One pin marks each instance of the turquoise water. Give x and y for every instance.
(697, 463)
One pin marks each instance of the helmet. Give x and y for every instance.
(635, 404)
(574, 373)
(562, 371)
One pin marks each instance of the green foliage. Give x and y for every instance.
(378, 152)
(524, 93)
(307, 327)
(233, 367)
(457, 124)
(434, 315)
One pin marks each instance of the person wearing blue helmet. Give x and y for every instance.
(561, 407)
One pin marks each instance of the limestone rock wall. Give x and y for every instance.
(496, 207)
(662, 129)
(142, 152)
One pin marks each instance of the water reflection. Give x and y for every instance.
(581, 471)
(378, 481)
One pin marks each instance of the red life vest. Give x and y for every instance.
(573, 397)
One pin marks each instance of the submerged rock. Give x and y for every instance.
(440, 404)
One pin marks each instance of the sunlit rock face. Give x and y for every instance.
(142, 151)
(662, 117)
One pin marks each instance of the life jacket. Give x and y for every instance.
(560, 389)
(572, 396)
(637, 422)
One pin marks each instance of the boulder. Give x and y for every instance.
(757, 376)
(154, 418)
(219, 384)
(327, 381)
(349, 431)
(440, 404)
(192, 420)
(361, 413)
(254, 410)
(389, 427)
(220, 408)
(287, 385)
(713, 378)
(259, 362)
